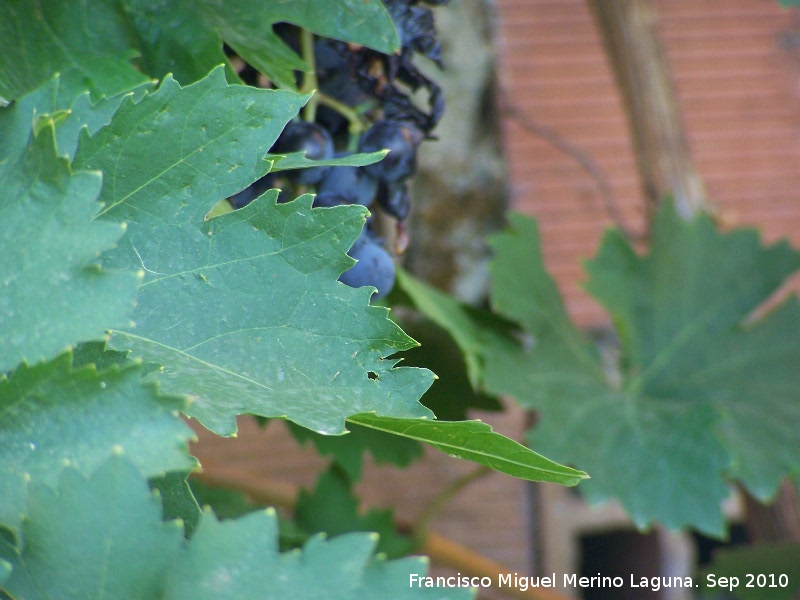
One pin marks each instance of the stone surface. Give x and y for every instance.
(461, 191)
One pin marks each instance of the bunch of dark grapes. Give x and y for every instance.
(364, 104)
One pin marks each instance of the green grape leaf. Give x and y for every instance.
(475, 441)
(247, 28)
(226, 503)
(16, 120)
(449, 314)
(91, 115)
(243, 310)
(185, 38)
(93, 538)
(451, 396)
(704, 391)
(239, 559)
(332, 509)
(90, 42)
(231, 504)
(206, 140)
(762, 572)
(96, 353)
(5, 566)
(177, 499)
(175, 39)
(52, 416)
(103, 537)
(252, 354)
(348, 450)
(52, 292)
(364, 22)
(70, 110)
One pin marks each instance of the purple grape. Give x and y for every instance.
(328, 201)
(352, 183)
(401, 139)
(254, 190)
(375, 266)
(394, 199)
(416, 29)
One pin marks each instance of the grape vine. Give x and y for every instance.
(133, 300)
(364, 101)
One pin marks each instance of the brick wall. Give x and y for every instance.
(736, 67)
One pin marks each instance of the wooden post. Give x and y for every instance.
(640, 66)
(776, 523)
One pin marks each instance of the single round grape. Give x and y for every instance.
(401, 139)
(253, 191)
(352, 183)
(394, 199)
(375, 266)
(416, 29)
(311, 139)
(328, 201)
(334, 73)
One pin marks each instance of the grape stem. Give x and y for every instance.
(310, 84)
(356, 124)
(310, 81)
(435, 507)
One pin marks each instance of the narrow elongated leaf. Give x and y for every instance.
(52, 292)
(44, 426)
(244, 310)
(475, 441)
(90, 42)
(297, 160)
